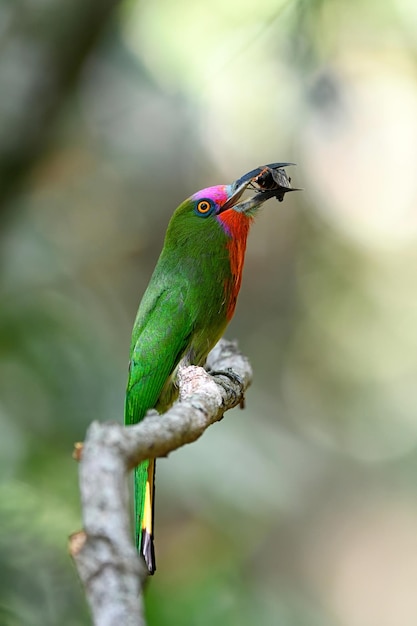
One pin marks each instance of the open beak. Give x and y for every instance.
(237, 188)
(269, 181)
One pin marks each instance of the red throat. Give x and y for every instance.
(236, 226)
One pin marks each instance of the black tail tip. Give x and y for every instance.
(148, 552)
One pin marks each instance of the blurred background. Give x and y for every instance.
(300, 510)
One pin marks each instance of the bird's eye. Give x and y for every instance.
(203, 207)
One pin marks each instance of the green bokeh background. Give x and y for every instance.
(300, 510)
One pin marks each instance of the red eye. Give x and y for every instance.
(203, 206)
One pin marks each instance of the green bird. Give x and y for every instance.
(187, 305)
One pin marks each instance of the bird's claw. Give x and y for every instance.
(228, 373)
(234, 378)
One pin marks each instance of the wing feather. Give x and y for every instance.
(160, 337)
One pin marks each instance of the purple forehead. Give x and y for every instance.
(219, 194)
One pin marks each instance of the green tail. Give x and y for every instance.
(144, 511)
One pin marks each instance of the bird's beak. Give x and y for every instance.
(269, 181)
(237, 189)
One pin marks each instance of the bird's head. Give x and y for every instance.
(223, 204)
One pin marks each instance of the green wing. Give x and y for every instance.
(160, 337)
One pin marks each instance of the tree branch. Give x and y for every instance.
(110, 569)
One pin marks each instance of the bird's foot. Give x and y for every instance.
(233, 377)
(228, 373)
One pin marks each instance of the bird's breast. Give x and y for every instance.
(236, 225)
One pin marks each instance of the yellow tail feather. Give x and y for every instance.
(147, 544)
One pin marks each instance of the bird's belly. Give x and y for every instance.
(195, 354)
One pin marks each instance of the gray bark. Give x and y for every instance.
(110, 569)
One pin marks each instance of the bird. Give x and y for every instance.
(189, 301)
